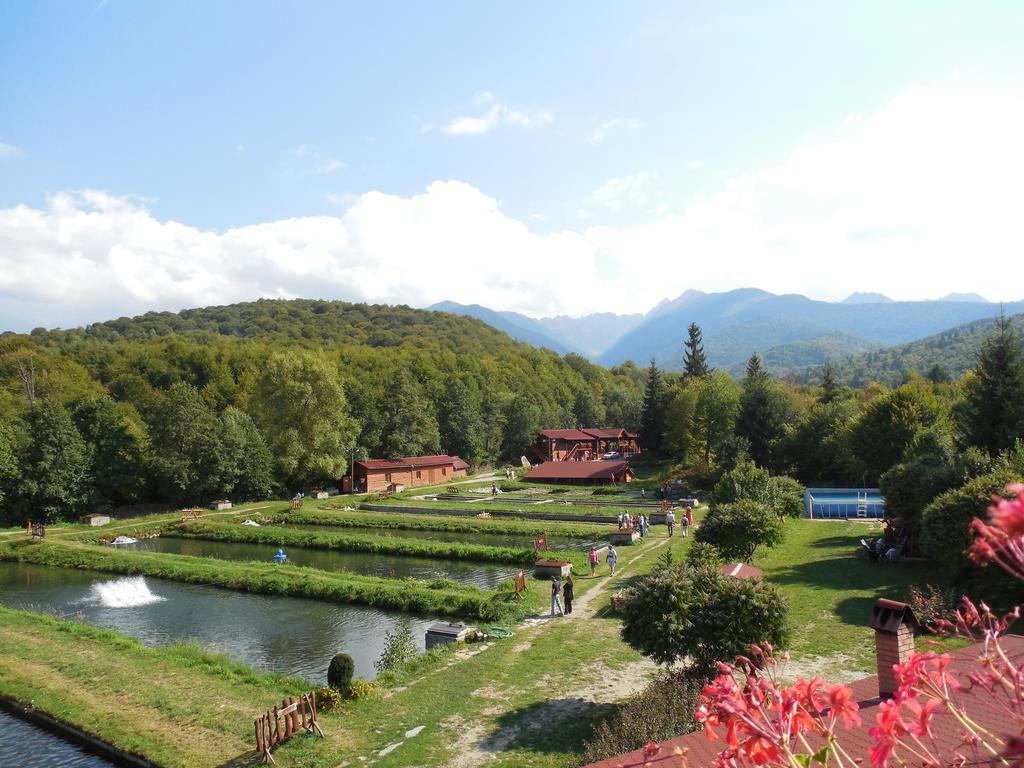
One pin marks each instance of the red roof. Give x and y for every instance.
(566, 434)
(409, 462)
(741, 571)
(606, 432)
(987, 712)
(577, 470)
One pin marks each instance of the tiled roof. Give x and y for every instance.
(577, 470)
(741, 571)
(986, 711)
(566, 434)
(606, 433)
(409, 462)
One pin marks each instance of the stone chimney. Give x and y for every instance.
(894, 624)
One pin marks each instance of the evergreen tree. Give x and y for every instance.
(763, 413)
(755, 369)
(694, 361)
(410, 425)
(584, 409)
(652, 416)
(56, 476)
(992, 414)
(831, 390)
(461, 423)
(938, 375)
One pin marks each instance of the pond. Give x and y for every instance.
(289, 635)
(26, 746)
(485, 575)
(462, 537)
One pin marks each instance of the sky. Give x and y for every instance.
(546, 158)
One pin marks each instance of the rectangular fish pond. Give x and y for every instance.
(461, 537)
(288, 635)
(27, 746)
(483, 575)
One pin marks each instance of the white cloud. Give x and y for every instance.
(915, 201)
(616, 123)
(497, 114)
(307, 158)
(9, 150)
(622, 192)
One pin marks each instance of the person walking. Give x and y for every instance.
(645, 524)
(555, 602)
(593, 561)
(689, 517)
(613, 557)
(670, 521)
(567, 590)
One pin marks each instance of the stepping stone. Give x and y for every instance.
(413, 732)
(390, 748)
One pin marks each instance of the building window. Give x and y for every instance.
(418, 474)
(444, 470)
(387, 477)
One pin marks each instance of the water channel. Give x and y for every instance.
(26, 746)
(485, 575)
(289, 635)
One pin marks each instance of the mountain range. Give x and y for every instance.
(789, 330)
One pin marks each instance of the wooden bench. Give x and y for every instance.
(276, 725)
(295, 504)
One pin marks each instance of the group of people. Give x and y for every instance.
(510, 474)
(640, 523)
(686, 521)
(567, 592)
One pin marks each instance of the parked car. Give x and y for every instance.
(612, 455)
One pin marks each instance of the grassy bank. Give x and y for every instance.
(352, 542)
(443, 597)
(405, 522)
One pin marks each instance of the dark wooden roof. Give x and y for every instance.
(577, 470)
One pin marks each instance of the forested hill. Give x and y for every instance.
(273, 396)
(303, 321)
(947, 354)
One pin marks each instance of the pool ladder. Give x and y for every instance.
(862, 504)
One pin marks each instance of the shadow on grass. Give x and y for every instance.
(244, 760)
(552, 726)
(850, 541)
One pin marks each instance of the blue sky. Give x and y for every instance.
(662, 140)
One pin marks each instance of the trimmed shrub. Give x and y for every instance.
(662, 710)
(738, 529)
(340, 671)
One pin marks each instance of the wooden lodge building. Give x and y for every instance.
(583, 444)
(374, 475)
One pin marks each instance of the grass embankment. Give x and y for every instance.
(405, 522)
(442, 597)
(526, 507)
(368, 543)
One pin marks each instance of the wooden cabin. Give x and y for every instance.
(375, 475)
(583, 444)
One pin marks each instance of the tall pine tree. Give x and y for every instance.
(762, 414)
(694, 361)
(830, 387)
(992, 414)
(652, 417)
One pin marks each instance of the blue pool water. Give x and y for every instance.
(844, 503)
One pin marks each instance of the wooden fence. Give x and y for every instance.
(274, 726)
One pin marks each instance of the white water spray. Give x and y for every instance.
(129, 592)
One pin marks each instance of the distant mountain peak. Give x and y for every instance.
(868, 297)
(972, 298)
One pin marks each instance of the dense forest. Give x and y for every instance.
(272, 397)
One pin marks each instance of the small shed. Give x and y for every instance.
(96, 519)
(220, 504)
(444, 633)
(624, 536)
(546, 569)
(741, 571)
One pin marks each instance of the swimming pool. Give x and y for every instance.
(843, 503)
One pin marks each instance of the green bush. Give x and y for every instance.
(697, 613)
(703, 554)
(944, 522)
(662, 710)
(340, 671)
(787, 496)
(399, 647)
(738, 529)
